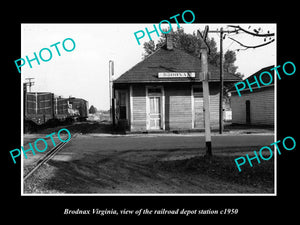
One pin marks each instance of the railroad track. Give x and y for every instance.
(48, 156)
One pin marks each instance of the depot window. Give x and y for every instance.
(122, 105)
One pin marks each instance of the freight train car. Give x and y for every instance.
(61, 107)
(79, 107)
(43, 107)
(39, 107)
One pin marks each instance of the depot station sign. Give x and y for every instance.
(175, 74)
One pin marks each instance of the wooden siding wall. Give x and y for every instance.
(198, 110)
(214, 99)
(214, 108)
(178, 110)
(261, 107)
(138, 122)
(178, 107)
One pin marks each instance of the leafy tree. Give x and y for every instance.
(191, 44)
(149, 48)
(229, 59)
(92, 110)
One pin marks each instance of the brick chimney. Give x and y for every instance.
(169, 42)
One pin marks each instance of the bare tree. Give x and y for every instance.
(256, 33)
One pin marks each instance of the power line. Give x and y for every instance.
(221, 32)
(229, 45)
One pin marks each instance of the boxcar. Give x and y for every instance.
(39, 107)
(80, 106)
(61, 107)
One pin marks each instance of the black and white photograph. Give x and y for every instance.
(150, 111)
(149, 116)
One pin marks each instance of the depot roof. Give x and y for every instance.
(265, 79)
(174, 60)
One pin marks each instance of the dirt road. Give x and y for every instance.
(153, 164)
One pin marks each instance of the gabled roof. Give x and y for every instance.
(264, 78)
(175, 60)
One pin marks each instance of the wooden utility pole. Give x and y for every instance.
(204, 50)
(205, 86)
(221, 118)
(221, 127)
(222, 36)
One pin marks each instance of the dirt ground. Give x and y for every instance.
(100, 165)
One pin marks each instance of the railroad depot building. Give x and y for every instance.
(164, 92)
(256, 107)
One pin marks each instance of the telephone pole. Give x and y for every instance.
(221, 118)
(221, 126)
(223, 33)
(204, 51)
(204, 76)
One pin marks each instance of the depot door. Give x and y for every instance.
(248, 117)
(155, 112)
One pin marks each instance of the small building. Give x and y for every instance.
(256, 107)
(164, 92)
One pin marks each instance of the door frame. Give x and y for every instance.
(155, 116)
(123, 91)
(162, 106)
(248, 111)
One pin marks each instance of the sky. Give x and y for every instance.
(84, 72)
